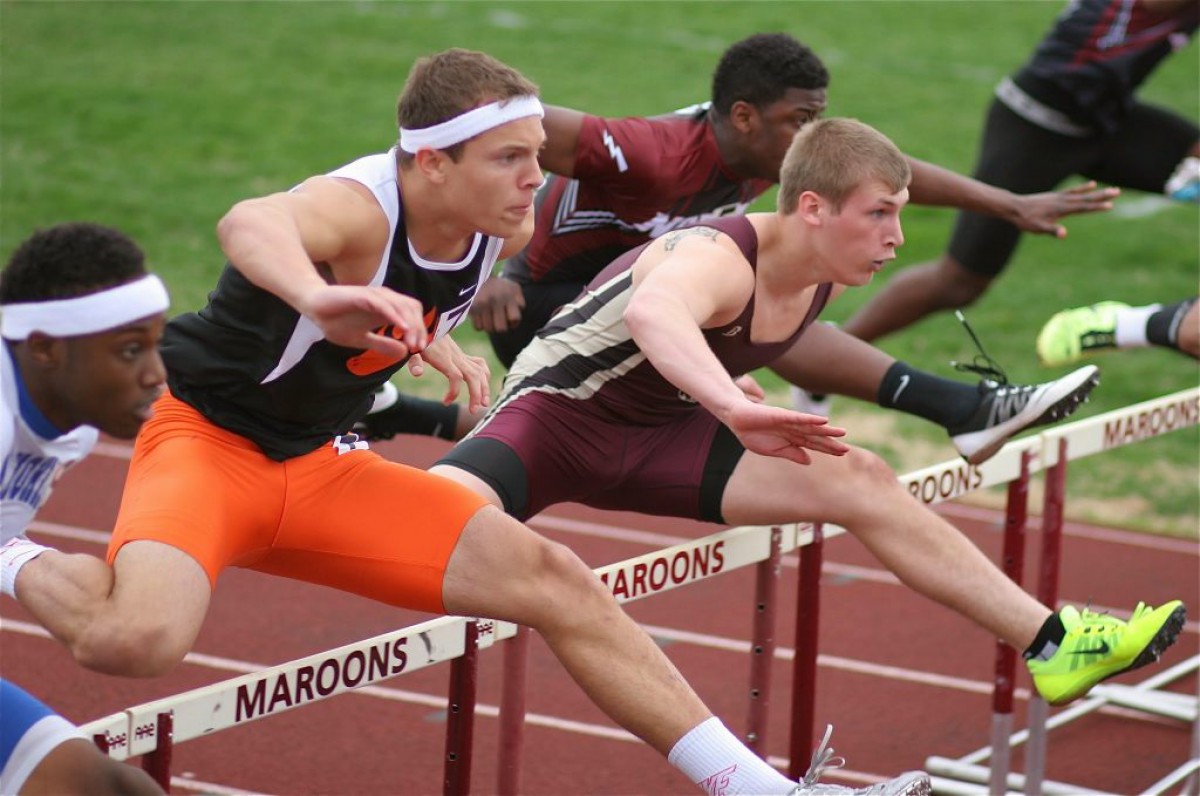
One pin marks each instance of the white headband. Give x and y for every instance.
(469, 124)
(95, 312)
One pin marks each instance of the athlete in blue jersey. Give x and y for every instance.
(1071, 109)
(80, 319)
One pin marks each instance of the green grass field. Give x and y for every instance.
(155, 117)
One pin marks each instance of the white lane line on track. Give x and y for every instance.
(974, 513)
(202, 787)
(594, 529)
(664, 633)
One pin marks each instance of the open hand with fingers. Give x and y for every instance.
(459, 368)
(774, 431)
(1040, 212)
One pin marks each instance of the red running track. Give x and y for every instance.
(899, 677)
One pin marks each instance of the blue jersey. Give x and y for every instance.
(28, 732)
(33, 453)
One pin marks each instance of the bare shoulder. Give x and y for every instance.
(348, 204)
(341, 224)
(339, 193)
(699, 259)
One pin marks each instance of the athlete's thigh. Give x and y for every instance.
(764, 490)
(539, 449)
(1145, 151)
(199, 489)
(1023, 158)
(359, 523)
(678, 469)
(504, 570)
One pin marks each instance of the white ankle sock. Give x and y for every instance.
(718, 762)
(16, 553)
(1131, 326)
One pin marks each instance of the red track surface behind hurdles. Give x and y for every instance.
(900, 677)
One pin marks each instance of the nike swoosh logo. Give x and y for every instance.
(1102, 649)
(904, 380)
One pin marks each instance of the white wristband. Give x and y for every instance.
(16, 553)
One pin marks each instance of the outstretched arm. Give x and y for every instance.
(701, 282)
(562, 126)
(1037, 212)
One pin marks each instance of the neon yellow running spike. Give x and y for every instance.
(1098, 646)
(1072, 334)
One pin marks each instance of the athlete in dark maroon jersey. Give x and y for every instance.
(617, 183)
(631, 180)
(627, 399)
(1071, 109)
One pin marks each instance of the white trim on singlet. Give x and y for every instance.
(568, 219)
(378, 174)
(435, 265)
(43, 737)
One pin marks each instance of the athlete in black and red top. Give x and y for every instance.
(1071, 109)
(630, 180)
(229, 473)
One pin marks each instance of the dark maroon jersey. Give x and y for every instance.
(586, 352)
(635, 179)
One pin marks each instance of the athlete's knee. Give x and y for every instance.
(564, 580)
(561, 567)
(870, 468)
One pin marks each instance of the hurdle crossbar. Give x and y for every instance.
(139, 730)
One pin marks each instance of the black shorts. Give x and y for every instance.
(1024, 158)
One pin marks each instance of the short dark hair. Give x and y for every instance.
(761, 68)
(70, 260)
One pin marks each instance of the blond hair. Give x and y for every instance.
(452, 82)
(833, 157)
